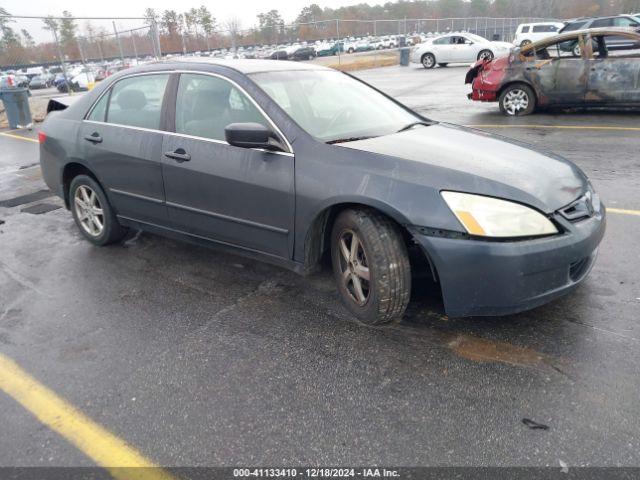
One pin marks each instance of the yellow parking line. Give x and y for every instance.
(103, 447)
(562, 127)
(623, 211)
(20, 137)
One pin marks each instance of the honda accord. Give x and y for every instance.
(287, 162)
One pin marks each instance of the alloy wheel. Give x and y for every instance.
(516, 101)
(89, 212)
(428, 61)
(354, 267)
(486, 55)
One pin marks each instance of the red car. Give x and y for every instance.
(547, 73)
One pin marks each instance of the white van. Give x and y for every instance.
(532, 32)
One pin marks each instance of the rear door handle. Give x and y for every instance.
(178, 155)
(93, 138)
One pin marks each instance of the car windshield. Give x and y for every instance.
(332, 106)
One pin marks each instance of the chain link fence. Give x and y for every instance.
(71, 53)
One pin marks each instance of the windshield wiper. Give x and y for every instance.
(349, 139)
(411, 125)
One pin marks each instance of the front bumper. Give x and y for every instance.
(499, 278)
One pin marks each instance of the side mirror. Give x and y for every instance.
(252, 135)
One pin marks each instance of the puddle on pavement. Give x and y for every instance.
(480, 349)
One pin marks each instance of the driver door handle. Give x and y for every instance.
(93, 138)
(178, 155)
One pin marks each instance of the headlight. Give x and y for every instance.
(490, 217)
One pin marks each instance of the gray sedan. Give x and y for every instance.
(287, 162)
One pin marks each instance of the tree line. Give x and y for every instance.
(197, 29)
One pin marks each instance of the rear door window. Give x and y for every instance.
(99, 111)
(137, 101)
(544, 29)
(602, 22)
(574, 26)
(443, 41)
(625, 22)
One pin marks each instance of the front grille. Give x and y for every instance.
(582, 208)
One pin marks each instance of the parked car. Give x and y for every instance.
(618, 42)
(303, 53)
(362, 46)
(527, 33)
(328, 49)
(389, 42)
(40, 81)
(543, 75)
(457, 48)
(285, 162)
(350, 46)
(279, 54)
(21, 80)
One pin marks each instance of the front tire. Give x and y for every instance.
(371, 266)
(428, 60)
(524, 43)
(517, 99)
(92, 212)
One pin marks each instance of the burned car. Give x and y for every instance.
(547, 74)
(292, 163)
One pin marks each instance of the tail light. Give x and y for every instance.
(42, 137)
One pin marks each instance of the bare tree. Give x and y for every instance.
(234, 25)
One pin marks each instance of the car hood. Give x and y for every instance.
(474, 161)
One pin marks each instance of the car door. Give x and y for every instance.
(442, 49)
(457, 49)
(614, 77)
(123, 145)
(561, 78)
(467, 50)
(232, 195)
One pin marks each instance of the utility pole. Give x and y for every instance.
(338, 35)
(82, 57)
(61, 57)
(135, 50)
(156, 39)
(115, 30)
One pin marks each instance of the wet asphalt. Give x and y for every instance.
(201, 358)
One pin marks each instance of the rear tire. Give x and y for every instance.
(524, 43)
(486, 55)
(428, 60)
(374, 275)
(576, 51)
(92, 212)
(517, 100)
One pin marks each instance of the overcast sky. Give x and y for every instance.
(246, 10)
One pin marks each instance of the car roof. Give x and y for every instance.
(576, 33)
(248, 66)
(582, 19)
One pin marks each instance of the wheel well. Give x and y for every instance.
(72, 170)
(425, 54)
(518, 82)
(318, 240)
